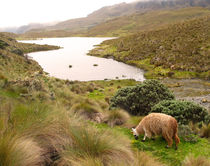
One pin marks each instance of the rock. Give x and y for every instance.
(204, 101)
(98, 117)
(172, 67)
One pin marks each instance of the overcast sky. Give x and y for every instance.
(22, 12)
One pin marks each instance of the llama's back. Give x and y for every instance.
(157, 123)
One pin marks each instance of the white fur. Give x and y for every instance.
(135, 132)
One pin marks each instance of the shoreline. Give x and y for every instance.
(150, 71)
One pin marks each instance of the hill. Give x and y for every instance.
(14, 62)
(179, 50)
(134, 23)
(81, 26)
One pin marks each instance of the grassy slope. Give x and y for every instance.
(12, 59)
(180, 50)
(167, 156)
(29, 98)
(120, 25)
(125, 25)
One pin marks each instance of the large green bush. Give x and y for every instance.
(183, 111)
(139, 99)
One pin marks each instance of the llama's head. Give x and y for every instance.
(136, 135)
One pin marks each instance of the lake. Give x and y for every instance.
(83, 67)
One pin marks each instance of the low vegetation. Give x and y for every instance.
(14, 61)
(139, 99)
(116, 117)
(48, 121)
(178, 51)
(196, 161)
(183, 111)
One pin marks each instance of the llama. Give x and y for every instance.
(158, 124)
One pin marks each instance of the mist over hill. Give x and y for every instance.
(25, 28)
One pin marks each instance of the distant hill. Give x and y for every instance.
(180, 50)
(81, 26)
(134, 23)
(25, 28)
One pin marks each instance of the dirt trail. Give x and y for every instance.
(194, 90)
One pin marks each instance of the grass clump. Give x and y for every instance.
(116, 117)
(20, 151)
(196, 161)
(89, 110)
(143, 159)
(101, 147)
(205, 130)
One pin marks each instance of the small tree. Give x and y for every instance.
(139, 99)
(183, 111)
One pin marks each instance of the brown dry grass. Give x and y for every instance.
(196, 161)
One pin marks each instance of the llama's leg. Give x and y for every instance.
(168, 139)
(177, 140)
(145, 136)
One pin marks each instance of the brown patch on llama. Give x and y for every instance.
(158, 124)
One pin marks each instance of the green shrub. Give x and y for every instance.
(139, 99)
(17, 51)
(183, 111)
(187, 134)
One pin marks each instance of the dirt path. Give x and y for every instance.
(194, 90)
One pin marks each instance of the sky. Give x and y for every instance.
(15, 13)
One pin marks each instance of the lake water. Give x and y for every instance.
(73, 53)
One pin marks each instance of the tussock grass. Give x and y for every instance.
(88, 161)
(143, 159)
(19, 151)
(205, 131)
(39, 134)
(116, 117)
(99, 146)
(88, 109)
(196, 161)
